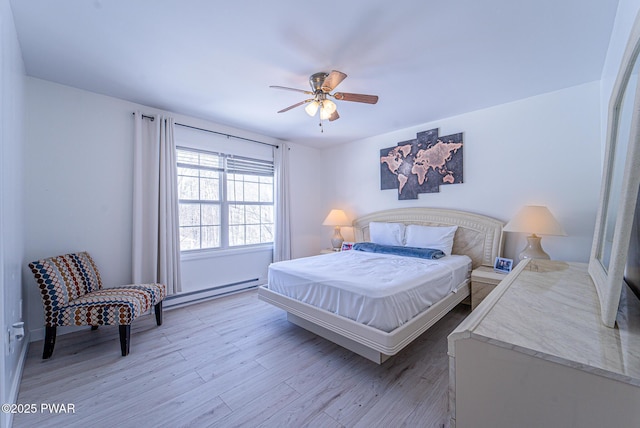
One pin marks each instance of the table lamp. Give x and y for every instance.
(535, 220)
(336, 218)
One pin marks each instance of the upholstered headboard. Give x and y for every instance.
(478, 236)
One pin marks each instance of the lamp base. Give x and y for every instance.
(533, 250)
(337, 239)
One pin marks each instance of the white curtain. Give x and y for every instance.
(282, 238)
(156, 237)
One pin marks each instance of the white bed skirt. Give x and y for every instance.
(371, 343)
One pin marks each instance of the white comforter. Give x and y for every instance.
(379, 290)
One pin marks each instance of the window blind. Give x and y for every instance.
(242, 165)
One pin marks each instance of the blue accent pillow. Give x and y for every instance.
(422, 253)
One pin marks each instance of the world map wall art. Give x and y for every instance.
(421, 165)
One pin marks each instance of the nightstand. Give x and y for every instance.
(328, 251)
(483, 280)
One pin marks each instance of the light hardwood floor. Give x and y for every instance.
(235, 361)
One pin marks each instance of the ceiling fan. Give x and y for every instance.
(322, 84)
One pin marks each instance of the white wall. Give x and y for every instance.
(541, 150)
(308, 210)
(78, 175)
(78, 182)
(11, 225)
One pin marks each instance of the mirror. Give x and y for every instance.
(619, 148)
(619, 185)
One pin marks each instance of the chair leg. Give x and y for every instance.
(94, 327)
(158, 311)
(49, 341)
(125, 333)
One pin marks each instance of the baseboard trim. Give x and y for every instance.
(17, 379)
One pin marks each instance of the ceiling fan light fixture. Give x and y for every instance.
(312, 108)
(326, 109)
(329, 106)
(321, 86)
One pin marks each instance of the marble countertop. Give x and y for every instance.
(550, 309)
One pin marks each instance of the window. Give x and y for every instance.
(225, 201)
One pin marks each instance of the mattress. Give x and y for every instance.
(380, 290)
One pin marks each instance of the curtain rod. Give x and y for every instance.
(151, 118)
(215, 132)
(228, 135)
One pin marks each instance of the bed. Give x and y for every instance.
(478, 240)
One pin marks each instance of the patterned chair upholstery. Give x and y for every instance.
(72, 294)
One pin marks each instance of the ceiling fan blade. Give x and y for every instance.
(332, 80)
(294, 106)
(334, 116)
(292, 89)
(359, 98)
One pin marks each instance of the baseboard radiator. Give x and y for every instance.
(191, 297)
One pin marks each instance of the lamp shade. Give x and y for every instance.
(336, 218)
(536, 220)
(329, 106)
(327, 109)
(312, 108)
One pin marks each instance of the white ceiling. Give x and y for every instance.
(213, 59)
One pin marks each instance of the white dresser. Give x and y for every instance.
(536, 354)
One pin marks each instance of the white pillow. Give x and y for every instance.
(436, 237)
(387, 233)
